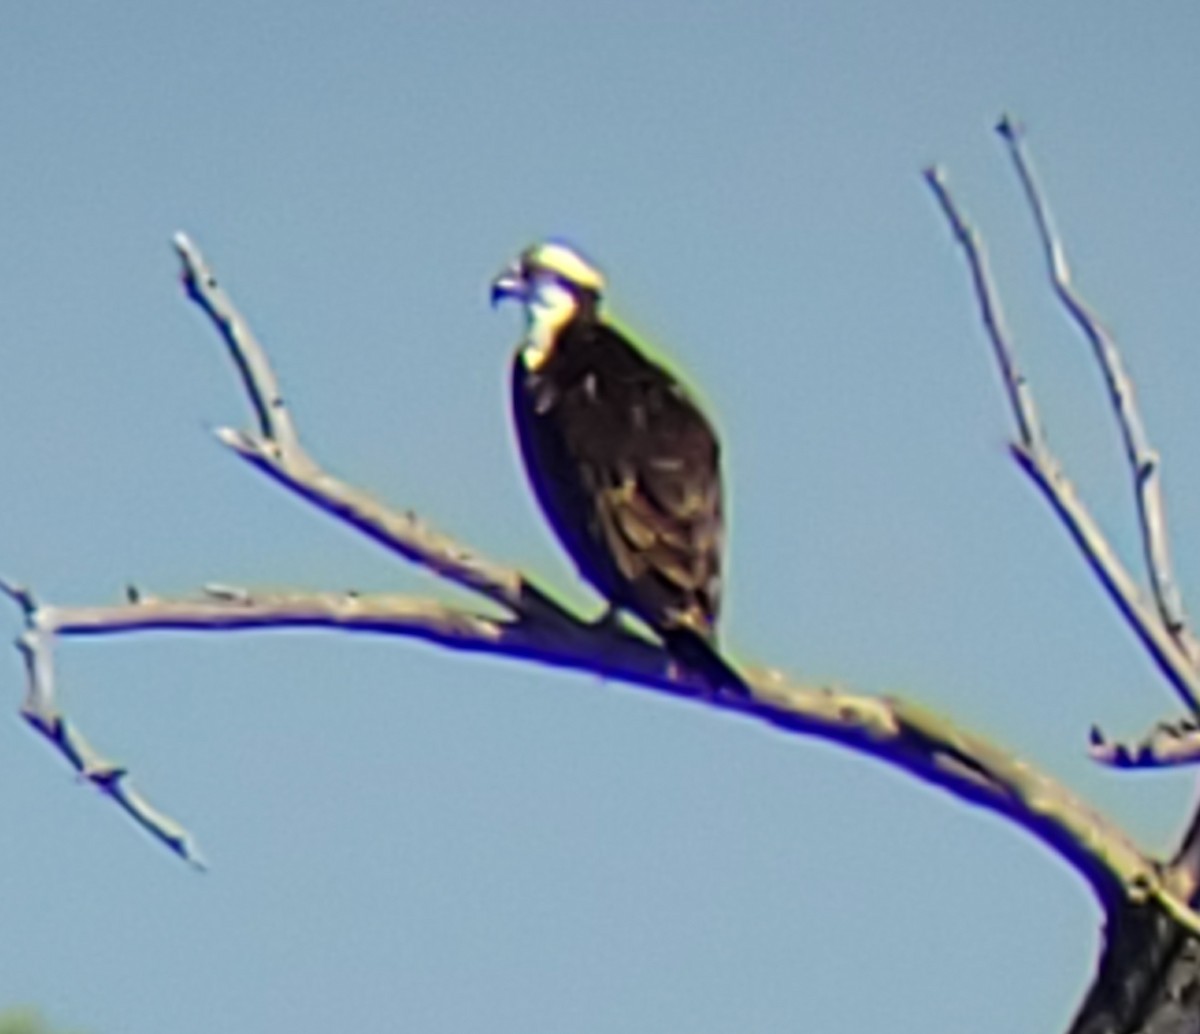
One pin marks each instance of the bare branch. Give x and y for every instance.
(403, 533)
(1035, 458)
(1020, 398)
(1113, 575)
(894, 731)
(1143, 460)
(258, 379)
(276, 450)
(1167, 745)
(36, 645)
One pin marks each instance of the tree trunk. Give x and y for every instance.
(1149, 978)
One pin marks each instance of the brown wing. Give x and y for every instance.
(658, 509)
(626, 468)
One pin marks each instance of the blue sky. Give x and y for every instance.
(463, 844)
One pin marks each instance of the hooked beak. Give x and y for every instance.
(509, 284)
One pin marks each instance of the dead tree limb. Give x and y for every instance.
(1143, 460)
(1033, 454)
(1148, 979)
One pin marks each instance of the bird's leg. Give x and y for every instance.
(613, 621)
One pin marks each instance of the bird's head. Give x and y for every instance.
(554, 284)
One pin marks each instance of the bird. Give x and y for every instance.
(623, 461)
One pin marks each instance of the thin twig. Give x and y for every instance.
(249, 357)
(40, 710)
(275, 449)
(401, 532)
(1167, 745)
(1118, 583)
(1020, 398)
(1144, 462)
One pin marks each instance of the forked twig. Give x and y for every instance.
(275, 450)
(249, 358)
(1167, 745)
(1035, 457)
(1020, 396)
(1144, 462)
(39, 709)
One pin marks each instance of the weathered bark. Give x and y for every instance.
(1148, 981)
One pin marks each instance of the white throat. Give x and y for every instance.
(549, 307)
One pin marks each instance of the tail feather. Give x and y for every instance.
(698, 654)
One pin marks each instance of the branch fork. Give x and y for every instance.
(1155, 614)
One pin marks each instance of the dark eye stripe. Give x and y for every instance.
(551, 276)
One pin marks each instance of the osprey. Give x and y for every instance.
(624, 464)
